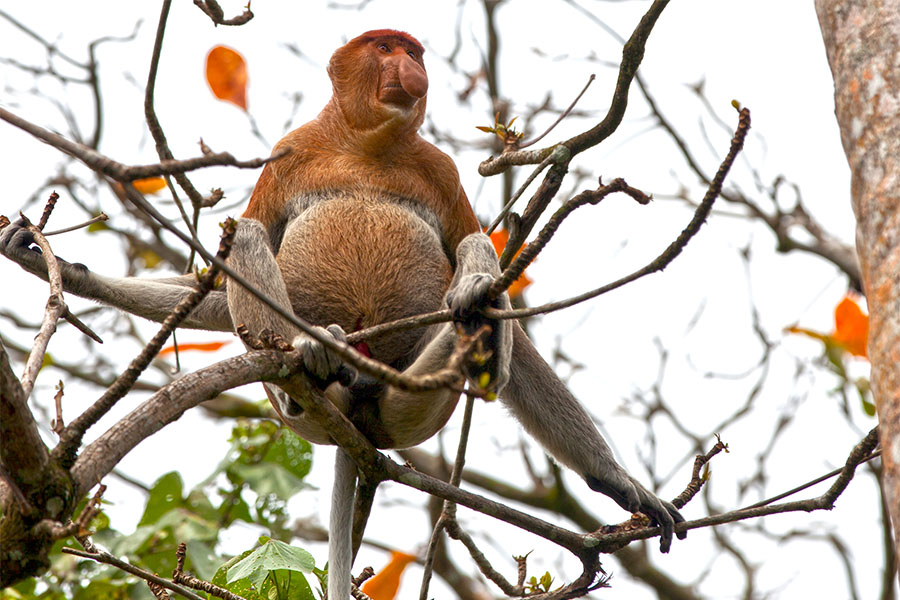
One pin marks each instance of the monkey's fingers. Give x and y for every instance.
(467, 297)
(15, 240)
(666, 516)
(323, 366)
(633, 497)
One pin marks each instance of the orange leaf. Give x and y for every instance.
(226, 73)
(499, 239)
(386, 582)
(518, 286)
(149, 185)
(851, 327)
(199, 346)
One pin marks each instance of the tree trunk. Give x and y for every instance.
(862, 40)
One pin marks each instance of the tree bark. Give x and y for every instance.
(862, 40)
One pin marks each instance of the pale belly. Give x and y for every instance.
(359, 263)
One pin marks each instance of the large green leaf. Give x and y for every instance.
(271, 556)
(283, 584)
(291, 452)
(167, 493)
(268, 478)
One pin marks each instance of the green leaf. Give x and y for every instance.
(271, 556)
(868, 407)
(241, 587)
(235, 507)
(103, 590)
(267, 479)
(284, 584)
(188, 526)
(546, 581)
(322, 576)
(97, 226)
(202, 558)
(165, 495)
(291, 452)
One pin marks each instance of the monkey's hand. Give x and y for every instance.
(489, 367)
(633, 497)
(323, 366)
(17, 244)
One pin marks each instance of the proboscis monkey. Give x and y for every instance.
(365, 222)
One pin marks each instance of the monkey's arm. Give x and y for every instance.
(552, 416)
(152, 299)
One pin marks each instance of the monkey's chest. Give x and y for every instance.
(359, 262)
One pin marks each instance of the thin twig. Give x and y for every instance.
(57, 424)
(124, 173)
(530, 252)
(667, 256)
(562, 115)
(809, 484)
(70, 439)
(98, 219)
(697, 480)
(106, 558)
(560, 154)
(215, 12)
(179, 576)
(48, 210)
(448, 511)
(632, 55)
(162, 145)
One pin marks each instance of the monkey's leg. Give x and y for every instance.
(550, 414)
(149, 298)
(412, 417)
(252, 258)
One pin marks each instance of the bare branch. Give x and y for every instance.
(107, 558)
(669, 254)
(124, 173)
(56, 308)
(215, 12)
(71, 437)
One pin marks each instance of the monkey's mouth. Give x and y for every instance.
(393, 93)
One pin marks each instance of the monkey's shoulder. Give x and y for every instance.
(322, 162)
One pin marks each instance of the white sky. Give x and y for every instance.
(767, 54)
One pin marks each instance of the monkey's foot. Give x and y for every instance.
(633, 497)
(489, 368)
(322, 365)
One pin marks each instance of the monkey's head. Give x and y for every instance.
(379, 77)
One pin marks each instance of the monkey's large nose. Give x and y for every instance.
(413, 78)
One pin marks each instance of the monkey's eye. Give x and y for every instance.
(411, 54)
(384, 47)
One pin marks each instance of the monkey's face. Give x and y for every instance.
(402, 80)
(379, 77)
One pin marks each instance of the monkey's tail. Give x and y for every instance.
(340, 546)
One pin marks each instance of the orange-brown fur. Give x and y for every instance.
(355, 258)
(380, 152)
